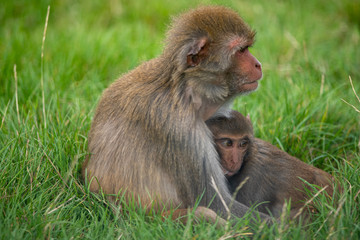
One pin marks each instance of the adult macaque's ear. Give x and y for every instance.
(197, 49)
(248, 117)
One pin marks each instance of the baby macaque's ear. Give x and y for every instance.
(249, 120)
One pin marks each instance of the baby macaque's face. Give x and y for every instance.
(232, 150)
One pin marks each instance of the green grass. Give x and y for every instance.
(308, 50)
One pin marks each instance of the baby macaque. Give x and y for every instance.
(273, 175)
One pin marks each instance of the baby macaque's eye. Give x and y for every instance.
(243, 143)
(226, 142)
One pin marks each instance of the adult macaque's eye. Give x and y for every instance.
(243, 49)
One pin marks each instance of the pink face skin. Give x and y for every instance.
(250, 67)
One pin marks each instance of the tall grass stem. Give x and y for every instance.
(42, 64)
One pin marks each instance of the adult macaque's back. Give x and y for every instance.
(148, 136)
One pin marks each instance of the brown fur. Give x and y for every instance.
(148, 137)
(274, 175)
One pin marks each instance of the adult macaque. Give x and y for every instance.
(149, 138)
(273, 175)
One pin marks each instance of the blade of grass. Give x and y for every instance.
(42, 65)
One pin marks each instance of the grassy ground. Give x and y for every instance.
(308, 50)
